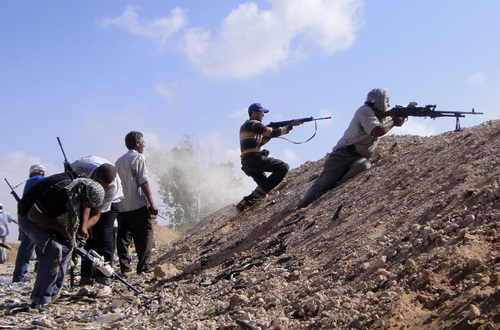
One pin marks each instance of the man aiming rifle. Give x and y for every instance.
(254, 161)
(352, 153)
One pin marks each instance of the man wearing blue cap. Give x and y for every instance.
(254, 161)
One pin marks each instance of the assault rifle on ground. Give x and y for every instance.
(12, 191)
(99, 263)
(96, 259)
(67, 165)
(286, 122)
(430, 111)
(303, 120)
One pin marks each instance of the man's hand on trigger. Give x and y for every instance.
(398, 121)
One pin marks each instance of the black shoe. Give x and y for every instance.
(241, 206)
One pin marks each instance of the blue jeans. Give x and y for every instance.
(52, 265)
(24, 254)
(340, 166)
(102, 242)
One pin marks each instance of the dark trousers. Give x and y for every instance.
(340, 166)
(135, 225)
(103, 242)
(255, 167)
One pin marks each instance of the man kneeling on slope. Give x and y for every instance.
(254, 161)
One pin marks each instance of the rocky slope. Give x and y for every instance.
(413, 243)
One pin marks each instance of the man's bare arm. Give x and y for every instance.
(147, 192)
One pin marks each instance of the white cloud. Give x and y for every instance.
(290, 156)
(476, 78)
(415, 127)
(323, 113)
(169, 92)
(159, 29)
(252, 41)
(242, 113)
(14, 167)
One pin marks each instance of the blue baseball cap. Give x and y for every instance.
(256, 107)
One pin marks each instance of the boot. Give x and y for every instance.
(251, 199)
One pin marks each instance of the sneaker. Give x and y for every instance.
(103, 291)
(126, 274)
(83, 292)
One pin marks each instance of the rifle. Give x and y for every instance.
(302, 120)
(96, 259)
(99, 263)
(67, 165)
(4, 246)
(430, 111)
(12, 191)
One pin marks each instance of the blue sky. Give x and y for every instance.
(91, 71)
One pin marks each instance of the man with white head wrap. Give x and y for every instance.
(26, 248)
(352, 153)
(52, 209)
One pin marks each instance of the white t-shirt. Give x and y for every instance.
(113, 193)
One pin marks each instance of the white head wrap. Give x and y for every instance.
(36, 168)
(378, 98)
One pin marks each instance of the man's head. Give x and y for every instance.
(104, 174)
(378, 99)
(135, 141)
(1, 207)
(256, 111)
(37, 169)
(93, 195)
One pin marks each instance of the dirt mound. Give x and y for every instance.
(163, 235)
(413, 242)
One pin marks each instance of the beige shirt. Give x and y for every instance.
(131, 167)
(359, 132)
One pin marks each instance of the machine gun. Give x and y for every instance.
(303, 120)
(286, 122)
(67, 165)
(430, 111)
(12, 191)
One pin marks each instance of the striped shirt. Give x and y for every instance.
(254, 134)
